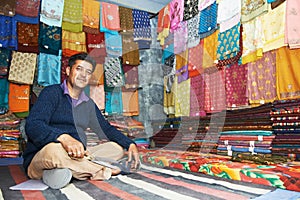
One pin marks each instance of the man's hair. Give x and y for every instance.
(81, 56)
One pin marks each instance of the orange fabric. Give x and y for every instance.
(130, 103)
(18, 98)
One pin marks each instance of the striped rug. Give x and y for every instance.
(150, 182)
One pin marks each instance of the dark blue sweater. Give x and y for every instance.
(53, 115)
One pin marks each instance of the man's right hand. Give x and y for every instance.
(73, 147)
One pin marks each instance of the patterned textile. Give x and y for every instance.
(197, 96)
(252, 9)
(210, 45)
(72, 16)
(22, 67)
(262, 79)
(4, 90)
(110, 18)
(141, 28)
(97, 76)
(176, 14)
(28, 37)
(195, 60)
(73, 42)
(130, 49)
(228, 10)
(208, 20)
(181, 35)
(91, 13)
(182, 95)
(193, 34)
(292, 28)
(8, 8)
(287, 86)
(113, 72)
(113, 44)
(169, 72)
(182, 74)
(163, 24)
(190, 9)
(49, 40)
(5, 56)
(202, 4)
(181, 59)
(49, 69)
(52, 12)
(126, 18)
(274, 35)
(96, 46)
(28, 8)
(113, 101)
(131, 77)
(151, 182)
(236, 85)
(18, 99)
(8, 32)
(252, 40)
(98, 95)
(130, 101)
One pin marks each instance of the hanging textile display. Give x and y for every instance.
(113, 72)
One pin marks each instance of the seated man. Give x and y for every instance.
(56, 149)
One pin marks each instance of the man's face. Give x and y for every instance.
(80, 74)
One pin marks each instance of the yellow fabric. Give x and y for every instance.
(130, 101)
(73, 42)
(182, 59)
(91, 13)
(72, 15)
(210, 45)
(169, 99)
(287, 73)
(182, 101)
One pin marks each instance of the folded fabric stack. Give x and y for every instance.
(10, 136)
(285, 118)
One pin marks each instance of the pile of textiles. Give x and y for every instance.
(10, 136)
(285, 118)
(284, 175)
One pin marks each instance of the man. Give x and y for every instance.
(56, 149)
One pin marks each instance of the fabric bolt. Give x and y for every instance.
(113, 101)
(210, 45)
(252, 9)
(113, 72)
(236, 85)
(287, 61)
(181, 59)
(131, 77)
(4, 91)
(126, 19)
(98, 75)
(96, 46)
(182, 97)
(130, 101)
(110, 16)
(181, 35)
(52, 12)
(292, 28)
(8, 32)
(274, 35)
(8, 8)
(72, 18)
(202, 4)
(91, 13)
(163, 24)
(195, 60)
(193, 37)
(113, 44)
(182, 74)
(197, 96)
(22, 67)
(49, 39)
(28, 37)
(18, 99)
(190, 9)
(130, 49)
(252, 40)
(208, 20)
(28, 8)
(176, 14)
(73, 42)
(262, 79)
(98, 95)
(141, 28)
(49, 69)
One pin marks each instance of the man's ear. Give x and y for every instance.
(68, 70)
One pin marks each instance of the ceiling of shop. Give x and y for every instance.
(151, 6)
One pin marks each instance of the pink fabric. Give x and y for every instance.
(181, 35)
(236, 85)
(176, 14)
(98, 95)
(197, 96)
(292, 25)
(195, 60)
(110, 16)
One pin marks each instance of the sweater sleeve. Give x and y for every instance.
(37, 125)
(111, 132)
